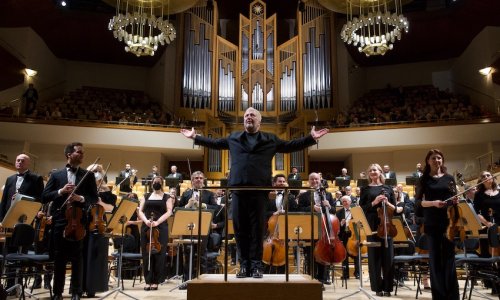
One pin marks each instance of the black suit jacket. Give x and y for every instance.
(305, 201)
(123, 175)
(251, 165)
(297, 176)
(58, 179)
(271, 205)
(207, 197)
(392, 174)
(176, 175)
(32, 186)
(343, 233)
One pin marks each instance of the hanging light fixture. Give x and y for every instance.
(141, 26)
(372, 27)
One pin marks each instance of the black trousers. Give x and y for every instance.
(380, 265)
(67, 251)
(444, 283)
(248, 221)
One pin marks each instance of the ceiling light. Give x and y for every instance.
(30, 72)
(63, 3)
(486, 71)
(372, 27)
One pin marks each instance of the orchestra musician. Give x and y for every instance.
(154, 210)
(23, 182)
(294, 175)
(487, 204)
(252, 152)
(96, 244)
(192, 198)
(432, 189)
(60, 186)
(276, 206)
(304, 205)
(380, 257)
(344, 215)
(129, 173)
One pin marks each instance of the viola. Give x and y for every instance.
(329, 249)
(153, 236)
(97, 222)
(41, 223)
(385, 228)
(74, 230)
(454, 216)
(274, 250)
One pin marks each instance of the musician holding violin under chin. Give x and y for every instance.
(374, 197)
(72, 190)
(433, 188)
(154, 210)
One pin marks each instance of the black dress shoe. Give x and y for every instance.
(380, 294)
(57, 297)
(242, 273)
(75, 297)
(257, 273)
(327, 282)
(387, 294)
(183, 287)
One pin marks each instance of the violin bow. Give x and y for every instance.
(79, 183)
(103, 176)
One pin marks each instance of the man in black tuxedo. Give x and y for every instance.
(322, 199)
(344, 215)
(388, 173)
(275, 205)
(295, 175)
(344, 174)
(174, 173)
(154, 172)
(419, 171)
(23, 182)
(252, 152)
(66, 184)
(126, 185)
(192, 198)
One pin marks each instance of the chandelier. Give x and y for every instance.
(372, 27)
(141, 25)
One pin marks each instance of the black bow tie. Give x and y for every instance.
(21, 175)
(72, 169)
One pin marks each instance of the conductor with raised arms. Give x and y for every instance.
(252, 152)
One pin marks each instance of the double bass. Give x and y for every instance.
(329, 249)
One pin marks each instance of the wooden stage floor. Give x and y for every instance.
(334, 291)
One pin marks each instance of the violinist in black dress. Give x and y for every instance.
(154, 210)
(96, 244)
(380, 258)
(433, 188)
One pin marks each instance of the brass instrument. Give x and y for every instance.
(132, 176)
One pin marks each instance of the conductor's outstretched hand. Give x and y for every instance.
(316, 134)
(189, 133)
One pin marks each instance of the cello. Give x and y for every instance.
(274, 249)
(329, 249)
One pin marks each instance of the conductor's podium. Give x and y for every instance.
(213, 287)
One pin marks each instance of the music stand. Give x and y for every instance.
(223, 183)
(358, 216)
(470, 219)
(299, 224)
(362, 182)
(342, 182)
(185, 222)
(390, 182)
(170, 222)
(411, 180)
(23, 209)
(116, 226)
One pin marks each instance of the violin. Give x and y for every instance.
(385, 229)
(98, 220)
(74, 230)
(454, 217)
(41, 223)
(274, 249)
(329, 249)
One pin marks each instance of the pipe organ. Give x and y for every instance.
(224, 78)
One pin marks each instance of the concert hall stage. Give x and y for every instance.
(213, 287)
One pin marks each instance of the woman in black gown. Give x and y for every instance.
(96, 245)
(379, 258)
(154, 210)
(432, 190)
(487, 204)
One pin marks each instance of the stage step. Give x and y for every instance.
(213, 287)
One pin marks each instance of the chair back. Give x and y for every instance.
(22, 237)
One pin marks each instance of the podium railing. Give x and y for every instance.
(286, 237)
